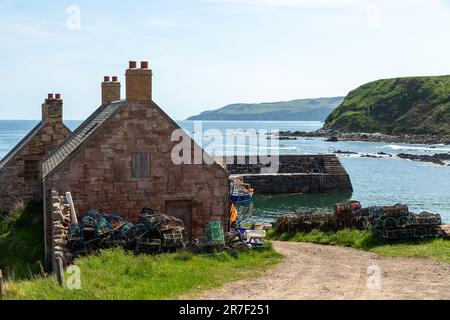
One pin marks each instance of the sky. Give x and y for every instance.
(209, 53)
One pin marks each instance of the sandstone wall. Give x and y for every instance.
(13, 185)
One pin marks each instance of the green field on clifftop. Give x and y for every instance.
(295, 110)
(417, 105)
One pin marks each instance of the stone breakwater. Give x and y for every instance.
(369, 137)
(295, 174)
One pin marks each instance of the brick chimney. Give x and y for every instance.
(52, 108)
(139, 82)
(110, 90)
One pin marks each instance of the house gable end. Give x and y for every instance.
(18, 148)
(86, 131)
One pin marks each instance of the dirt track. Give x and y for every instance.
(327, 272)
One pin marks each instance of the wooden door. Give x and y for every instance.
(183, 211)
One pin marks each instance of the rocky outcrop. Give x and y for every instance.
(437, 158)
(369, 137)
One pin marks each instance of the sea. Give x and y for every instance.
(377, 181)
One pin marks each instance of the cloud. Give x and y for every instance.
(287, 3)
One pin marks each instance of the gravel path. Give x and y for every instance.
(313, 271)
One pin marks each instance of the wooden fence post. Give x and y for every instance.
(60, 271)
(2, 285)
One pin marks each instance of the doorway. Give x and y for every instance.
(183, 211)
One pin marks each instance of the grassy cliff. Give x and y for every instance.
(296, 110)
(418, 105)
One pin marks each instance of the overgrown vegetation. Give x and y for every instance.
(116, 274)
(21, 241)
(417, 105)
(434, 249)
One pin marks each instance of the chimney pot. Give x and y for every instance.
(110, 90)
(106, 78)
(52, 109)
(139, 82)
(144, 64)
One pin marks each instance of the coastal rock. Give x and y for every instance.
(438, 158)
(378, 137)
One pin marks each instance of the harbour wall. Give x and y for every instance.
(290, 174)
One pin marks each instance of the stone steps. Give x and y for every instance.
(333, 166)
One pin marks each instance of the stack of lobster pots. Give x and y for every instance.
(397, 222)
(154, 233)
(350, 215)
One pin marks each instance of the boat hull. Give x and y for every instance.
(241, 198)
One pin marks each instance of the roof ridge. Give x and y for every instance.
(10, 155)
(69, 137)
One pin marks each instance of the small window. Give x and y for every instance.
(32, 170)
(140, 165)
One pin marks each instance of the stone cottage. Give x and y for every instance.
(20, 170)
(119, 160)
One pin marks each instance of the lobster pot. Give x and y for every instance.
(395, 234)
(397, 210)
(301, 222)
(173, 238)
(436, 231)
(214, 233)
(417, 232)
(392, 222)
(427, 231)
(427, 218)
(347, 207)
(420, 231)
(148, 246)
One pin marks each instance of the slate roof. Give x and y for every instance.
(80, 135)
(21, 144)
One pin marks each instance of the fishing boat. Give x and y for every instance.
(240, 192)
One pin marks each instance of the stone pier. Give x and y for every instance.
(319, 173)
